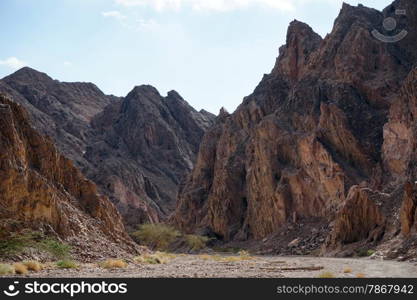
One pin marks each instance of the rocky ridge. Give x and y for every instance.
(136, 149)
(328, 137)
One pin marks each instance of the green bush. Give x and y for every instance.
(196, 242)
(156, 236)
(67, 264)
(16, 243)
(56, 248)
(365, 252)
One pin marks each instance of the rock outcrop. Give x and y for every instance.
(136, 149)
(42, 190)
(328, 135)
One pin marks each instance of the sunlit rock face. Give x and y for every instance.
(42, 190)
(329, 135)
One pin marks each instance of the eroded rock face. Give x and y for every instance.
(360, 218)
(136, 149)
(310, 142)
(43, 190)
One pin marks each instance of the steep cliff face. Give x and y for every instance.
(42, 190)
(312, 131)
(136, 149)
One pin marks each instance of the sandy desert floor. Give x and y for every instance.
(224, 266)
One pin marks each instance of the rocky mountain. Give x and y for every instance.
(42, 190)
(136, 149)
(322, 155)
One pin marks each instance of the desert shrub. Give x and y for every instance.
(113, 264)
(244, 253)
(196, 242)
(365, 252)
(6, 269)
(227, 249)
(33, 265)
(347, 270)
(155, 258)
(56, 248)
(16, 243)
(156, 236)
(20, 268)
(67, 264)
(326, 275)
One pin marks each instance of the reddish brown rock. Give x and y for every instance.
(312, 131)
(43, 190)
(409, 209)
(359, 219)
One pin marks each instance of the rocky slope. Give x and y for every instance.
(136, 149)
(42, 190)
(327, 139)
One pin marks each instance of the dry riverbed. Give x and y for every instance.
(224, 266)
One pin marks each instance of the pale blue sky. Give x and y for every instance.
(213, 52)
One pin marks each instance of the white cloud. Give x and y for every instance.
(217, 5)
(222, 5)
(13, 63)
(114, 14)
(199, 5)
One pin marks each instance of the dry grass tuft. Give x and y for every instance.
(155, 258)
(6, 269)
(360, 275)
(20, 269)
(33, 265)
(113, 264)
(347, 270)
(219, 258)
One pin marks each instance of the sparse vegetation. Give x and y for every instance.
(6, 269)
(113, 264)
(156, 236)
(20, 269)
(67, 264)
(33, 265)
(360, 275)
(196, 242)
(16, 243)
(234, 258)
(347, 270)
(227, 249)
(326, 275)
(244, 253)
(365, 252)
(155, 258)
(56, 248)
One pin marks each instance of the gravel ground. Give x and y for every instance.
(220, 266)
